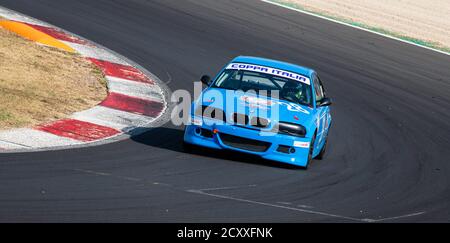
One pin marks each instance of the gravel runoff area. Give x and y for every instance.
(425, 22)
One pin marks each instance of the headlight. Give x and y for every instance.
(291, 129)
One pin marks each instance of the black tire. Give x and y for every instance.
(187, 147)
(311, 149)
(322, 153)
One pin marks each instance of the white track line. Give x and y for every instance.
(285, 205)
(276, 206)
(225, 188)
(353, 26)
(399, 217)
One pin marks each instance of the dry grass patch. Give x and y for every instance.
(424, 22)
(40, 84)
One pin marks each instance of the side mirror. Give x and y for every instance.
(325, 102)
(206, 79)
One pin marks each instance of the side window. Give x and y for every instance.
(318, 89)
(222, 78)
(321, 88)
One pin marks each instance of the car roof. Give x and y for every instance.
(275, 64)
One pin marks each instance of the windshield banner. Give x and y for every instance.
(269, 70)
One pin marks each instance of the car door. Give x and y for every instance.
(326, 109)
(322, 113)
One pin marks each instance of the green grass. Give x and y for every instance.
(420, 42)
(4, 115)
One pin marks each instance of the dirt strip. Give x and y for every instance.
(427, 20)
(39, 84)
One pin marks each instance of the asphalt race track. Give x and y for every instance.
(388, 160)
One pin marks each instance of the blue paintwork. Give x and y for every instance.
(314, 119)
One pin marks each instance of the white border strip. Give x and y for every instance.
(353, 26)
(20, 18)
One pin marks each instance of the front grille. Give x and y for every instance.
(259, 122)
(206, 133)
(240, 119)
(244, 143)
(243, 120)
(211, 112)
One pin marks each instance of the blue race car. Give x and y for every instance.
(276, 110)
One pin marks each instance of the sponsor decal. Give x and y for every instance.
(295, 107)
(300, 144)
(197, 122)
(269, 70)
(256, 100)
(210, 100)
(262, 103)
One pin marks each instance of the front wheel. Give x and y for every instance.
(311, 150)
(187, 147)
(322, 153)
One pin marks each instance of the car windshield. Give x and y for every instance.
(288, 89)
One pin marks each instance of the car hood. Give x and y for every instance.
(253, 105)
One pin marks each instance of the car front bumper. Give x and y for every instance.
(277, 147)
